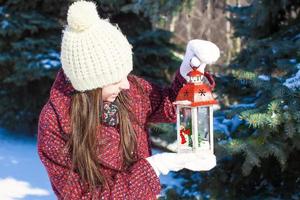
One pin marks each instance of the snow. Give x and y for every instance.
(54, 55)
(235, 106)
(264, 77)
(297, 37)
(22, 176)
(49, 60)
(219, 126)
(8, 189)
(235, 123)
(48, 64)
(4, 24)
(274, 50)
(1, 10)
(293, 82)
(170, 181)
(227, 126)
(54, 62)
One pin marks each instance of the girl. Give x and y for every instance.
(92, 133)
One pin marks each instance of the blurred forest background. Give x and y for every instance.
(257, 126)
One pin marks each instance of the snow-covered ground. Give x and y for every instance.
(22, 175)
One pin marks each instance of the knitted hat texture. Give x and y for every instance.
(94, 53)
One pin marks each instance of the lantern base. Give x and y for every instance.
(197, 150)
(203, 151)
(185, 150)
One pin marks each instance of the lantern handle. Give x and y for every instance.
(210, 80)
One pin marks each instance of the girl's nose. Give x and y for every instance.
(124, 84)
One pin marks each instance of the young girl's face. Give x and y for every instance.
(110, 92)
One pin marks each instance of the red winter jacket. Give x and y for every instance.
(154, 104)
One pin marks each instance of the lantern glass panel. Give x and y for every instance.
(186, 140)
(203, 127)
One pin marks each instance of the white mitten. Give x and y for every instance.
(162, 163)
(206, 51)
(201, 162)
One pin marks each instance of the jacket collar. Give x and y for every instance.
(60, 97)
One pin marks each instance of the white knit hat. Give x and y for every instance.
(94, 53)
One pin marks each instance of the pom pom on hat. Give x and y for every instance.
(82, 15)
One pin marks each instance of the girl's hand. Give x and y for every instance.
(163, 163)
(206, 52)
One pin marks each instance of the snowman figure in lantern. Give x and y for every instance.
(194, 103)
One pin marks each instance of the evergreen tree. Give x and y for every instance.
(154, 57)
(258, 150)
(30, 47)
(29, 43)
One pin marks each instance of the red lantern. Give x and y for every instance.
(194, 105)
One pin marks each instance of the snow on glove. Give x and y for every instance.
(206, 51)
(162, 163)
(201, 162)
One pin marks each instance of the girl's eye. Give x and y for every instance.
(118, 83)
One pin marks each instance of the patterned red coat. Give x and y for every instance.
(154, 104)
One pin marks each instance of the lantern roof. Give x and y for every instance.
(195, 95)
(194, 73)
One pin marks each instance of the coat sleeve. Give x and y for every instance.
(160, 100)
(138, 182)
